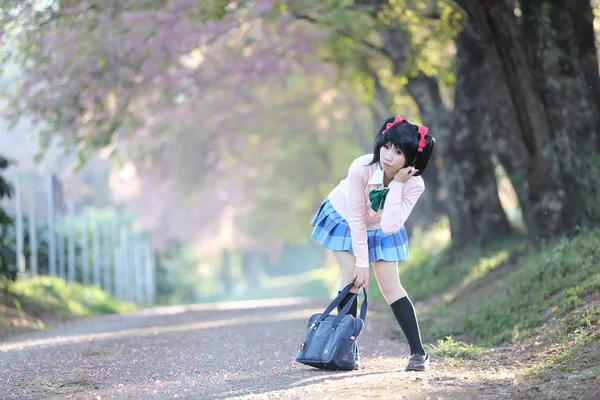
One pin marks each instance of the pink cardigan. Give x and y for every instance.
(350, 198)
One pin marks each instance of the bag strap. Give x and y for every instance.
(336, 301)
(343, 311)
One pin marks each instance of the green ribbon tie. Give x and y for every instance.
(377, 198)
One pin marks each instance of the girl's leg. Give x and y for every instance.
(386, 273)
(346, 261)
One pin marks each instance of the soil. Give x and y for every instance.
(246, 350)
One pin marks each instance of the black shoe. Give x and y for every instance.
(418, 362)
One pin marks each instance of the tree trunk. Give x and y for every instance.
(471, 175)
(557, 34)
(502, 131)
(505, 137)
(553, 207)
(469, 191)
(582, 16)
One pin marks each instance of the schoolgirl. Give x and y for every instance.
(362, 220)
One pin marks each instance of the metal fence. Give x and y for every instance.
(79, 245)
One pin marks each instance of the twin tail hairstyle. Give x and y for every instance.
(412, 140)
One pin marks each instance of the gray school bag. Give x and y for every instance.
(330, 340)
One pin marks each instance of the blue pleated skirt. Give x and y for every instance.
(333, 232)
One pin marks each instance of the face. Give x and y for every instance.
(391, 158)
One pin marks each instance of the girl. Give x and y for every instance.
(362, 221)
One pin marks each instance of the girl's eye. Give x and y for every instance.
(386, 146)
(398, 152)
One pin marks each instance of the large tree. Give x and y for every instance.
(411, 43)
(551, 72)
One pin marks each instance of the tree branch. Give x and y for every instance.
(344, 33)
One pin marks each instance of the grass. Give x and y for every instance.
(575, 352)
(69, 299)
(550, 280)
(508, 294)
(492, 307)
(532, 311)
(451, 348)
(29, 304)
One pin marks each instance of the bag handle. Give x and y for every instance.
(343, 311)
(336, 301)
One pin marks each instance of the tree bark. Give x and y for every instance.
(505, 137)
(553, 208)
(468, 182)
(562, 56)
(471, 176)
(502, 132)
(581, 13)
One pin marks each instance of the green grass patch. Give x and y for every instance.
(451, 348)
(501, 292)
(53, 295)
(552, 279)
(575, 353)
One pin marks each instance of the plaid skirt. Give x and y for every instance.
(333, 232)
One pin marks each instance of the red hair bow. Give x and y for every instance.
(397, 120)
(422, 132)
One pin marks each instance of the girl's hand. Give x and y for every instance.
(361, 277)
(405, 174)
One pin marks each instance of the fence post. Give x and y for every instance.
(19, 227)
(96, 262)
(125, 271)
(61, 238)
(51, 232)
(71, 245)
(150, 265)
(33, 245)
(139, 270)
(85, 256)
(121, 276)
(116, 279)
(108, 257)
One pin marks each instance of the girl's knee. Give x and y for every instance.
(392, 291)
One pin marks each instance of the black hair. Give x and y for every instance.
(405, 137)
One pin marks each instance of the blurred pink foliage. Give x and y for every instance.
(95, 68)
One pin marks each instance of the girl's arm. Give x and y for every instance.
(399, 203)
(358, 218)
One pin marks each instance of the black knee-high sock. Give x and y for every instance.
(405, 315)
(353, 308)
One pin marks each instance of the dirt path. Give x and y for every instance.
(228, 350)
